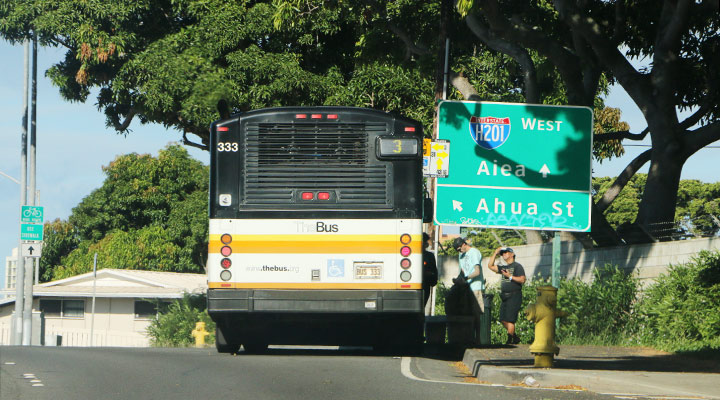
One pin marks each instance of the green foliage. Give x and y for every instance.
(486, 240)
(150, 213)
(60, 239)
(173, 328)
(441, 292)
(698, 203)
(681, 311)
(598, 311)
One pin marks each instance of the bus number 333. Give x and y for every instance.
(227, 146)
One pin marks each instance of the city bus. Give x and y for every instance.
(315, 233)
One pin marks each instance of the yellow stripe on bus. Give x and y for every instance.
(316, 238)
(276, 245)
(315, 285)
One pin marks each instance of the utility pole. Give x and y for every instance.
(20, 268)
(29, 266)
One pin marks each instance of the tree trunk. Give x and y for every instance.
(660, 194)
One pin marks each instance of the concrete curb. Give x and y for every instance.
(639, 383)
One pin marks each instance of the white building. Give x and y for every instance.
(125, 303)
(10, 270)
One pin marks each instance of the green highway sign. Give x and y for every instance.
(31, 232)
(516, 166)
(31, 215)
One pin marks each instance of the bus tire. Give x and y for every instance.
(221, 343)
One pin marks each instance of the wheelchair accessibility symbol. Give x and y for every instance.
(336, 268)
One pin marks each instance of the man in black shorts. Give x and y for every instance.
(513, 277)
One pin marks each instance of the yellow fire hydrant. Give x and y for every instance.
(543, 314)
(199, 334)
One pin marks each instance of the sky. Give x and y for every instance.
(73, 144)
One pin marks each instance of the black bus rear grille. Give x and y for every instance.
(283, 158)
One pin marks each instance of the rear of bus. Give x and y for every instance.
(315, 228)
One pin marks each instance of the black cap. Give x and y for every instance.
(506, 250)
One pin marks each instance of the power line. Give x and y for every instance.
(649, 145)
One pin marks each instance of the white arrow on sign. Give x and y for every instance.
(544, 170)
(457, 205)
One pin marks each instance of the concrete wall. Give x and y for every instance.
(646, 261)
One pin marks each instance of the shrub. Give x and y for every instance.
(681, 311)
(599, 311)
(173, 328)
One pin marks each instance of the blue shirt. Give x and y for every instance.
(468, 261)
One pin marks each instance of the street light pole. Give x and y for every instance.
(20, 267)
(30, 264)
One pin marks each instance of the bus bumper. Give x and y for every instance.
(314, 301)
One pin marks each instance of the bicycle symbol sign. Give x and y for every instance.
(31, 214)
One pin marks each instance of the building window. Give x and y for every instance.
(51, 308)
(73, 308)
(145, 309)
(63, 308)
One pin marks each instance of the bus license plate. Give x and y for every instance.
(368, 270)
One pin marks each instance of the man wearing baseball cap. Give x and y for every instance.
(513, 277)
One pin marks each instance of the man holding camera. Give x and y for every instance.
(513, 277)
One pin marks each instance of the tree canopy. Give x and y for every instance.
(150, 213)
(170, 62)
(584, 41)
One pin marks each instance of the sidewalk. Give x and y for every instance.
(608, 370)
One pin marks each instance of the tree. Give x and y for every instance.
(697, 207)
(60, 239)
(150, 213)
(170, 62)
(584, 40)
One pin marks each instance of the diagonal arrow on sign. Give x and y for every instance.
(457, 205)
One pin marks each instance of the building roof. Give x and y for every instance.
(124, 283)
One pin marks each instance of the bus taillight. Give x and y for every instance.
(405, 251)
(332, 116)
(300, 116)
(226, 251)
(316, 116)
(405, 263)
(324, 196)
(226, 275)
(226, 263)
(307, 195)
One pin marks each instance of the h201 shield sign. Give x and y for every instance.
(489, 132)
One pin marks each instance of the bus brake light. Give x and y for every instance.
(223, 128)
(300, 116)
(316, 116)
(332, 116)
(409, 129)
(307, 195)
(323, 196)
